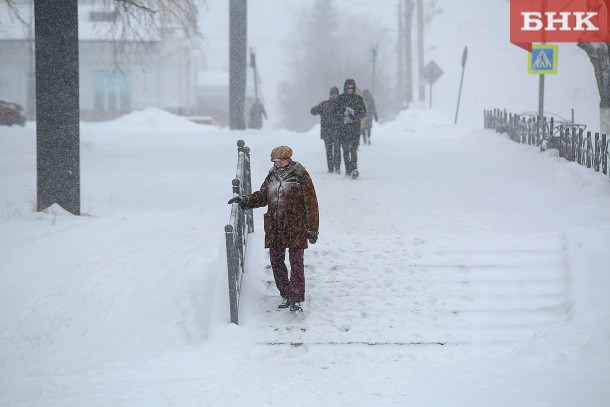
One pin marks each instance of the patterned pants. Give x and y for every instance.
(293, 287)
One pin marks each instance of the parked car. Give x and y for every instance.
(11, 113)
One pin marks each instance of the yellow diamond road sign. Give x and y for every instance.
(542, 60)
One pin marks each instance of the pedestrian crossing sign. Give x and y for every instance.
(542, 60)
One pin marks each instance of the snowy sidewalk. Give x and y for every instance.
(450, 236)
(428, 247)
(414, 293)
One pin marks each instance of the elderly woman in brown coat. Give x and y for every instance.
(291, 221)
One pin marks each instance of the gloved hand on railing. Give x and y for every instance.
(239, 200)
(312, 237)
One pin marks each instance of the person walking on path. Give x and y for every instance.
(359, 93)
(351, 109)
(257, 112)
(371, 113)
(292, 219)
(329, 129)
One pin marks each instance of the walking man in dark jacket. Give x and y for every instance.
(291, 220)
(329, 129)
(351, 108)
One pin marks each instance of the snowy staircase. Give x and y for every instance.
(412, 292)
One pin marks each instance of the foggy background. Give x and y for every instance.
(289, 39)
(304, 47)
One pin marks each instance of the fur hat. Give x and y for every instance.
(281, 153)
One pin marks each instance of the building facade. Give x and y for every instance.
(141, 69)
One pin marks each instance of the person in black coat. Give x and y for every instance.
(329, 129)
(351, 109)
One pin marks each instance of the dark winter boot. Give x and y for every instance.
(285, 304)
(295, 307)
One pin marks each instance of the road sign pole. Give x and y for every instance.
(542, 61)
(431, 73)
(541, 97)
(464, 56)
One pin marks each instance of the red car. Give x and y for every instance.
(10, 113)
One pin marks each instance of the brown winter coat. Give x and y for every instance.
(292, 207)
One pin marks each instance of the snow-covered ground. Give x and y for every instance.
(461, 269)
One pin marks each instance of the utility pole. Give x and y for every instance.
(409, 8)
(254, 72)
(374, 61)
(57, 104)
(420, 51)
(400, 97)
(238, 62)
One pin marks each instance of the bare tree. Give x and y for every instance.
(432, 9)
(330, 47)
(599, 54)
(134, 18)
(139, 20)
(314, 61)
(14, 10)
(146, 20)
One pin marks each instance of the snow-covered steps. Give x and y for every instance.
(415, 292)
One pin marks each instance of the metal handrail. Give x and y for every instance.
(591, 149)
(241, 223)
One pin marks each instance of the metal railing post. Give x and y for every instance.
(596, 153)
(580, 144)
(236, 233)
(588, 150)
(232, 268)
(591, 150)
(604, 154)
(248, 187)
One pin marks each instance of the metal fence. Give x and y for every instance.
(236, 232)
(588, 149)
